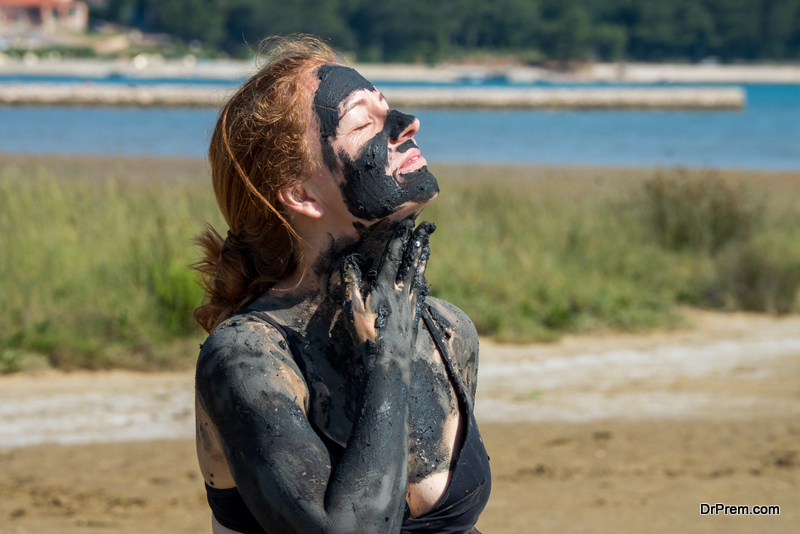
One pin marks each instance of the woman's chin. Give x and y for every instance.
(412, 210)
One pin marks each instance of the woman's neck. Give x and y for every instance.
(316, 284)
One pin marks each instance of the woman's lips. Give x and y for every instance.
(413, 161)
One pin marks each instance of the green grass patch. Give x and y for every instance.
(93, 268)
(698, 213)
(94, 253)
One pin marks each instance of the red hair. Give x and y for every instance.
(259, 146)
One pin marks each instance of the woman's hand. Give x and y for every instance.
(385, 322)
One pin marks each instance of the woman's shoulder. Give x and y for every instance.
(246, 344)
(459, 336)
(246, 331)
(451, 319)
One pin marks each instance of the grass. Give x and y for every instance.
(683, 212)
(93, 268)
(94, 253)
(530, 258)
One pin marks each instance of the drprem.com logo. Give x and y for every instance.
(725, 509)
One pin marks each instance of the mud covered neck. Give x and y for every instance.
(319, 292)
(368, 246)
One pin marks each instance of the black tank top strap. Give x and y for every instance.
(429, 323)
(267, 319)
(466, 495)
(335, 450)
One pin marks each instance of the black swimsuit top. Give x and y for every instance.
(456, 512)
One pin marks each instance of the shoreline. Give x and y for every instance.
(211, 96)
(153, 66)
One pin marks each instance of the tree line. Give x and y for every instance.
(534, 30)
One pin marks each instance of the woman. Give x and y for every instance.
(332, 396)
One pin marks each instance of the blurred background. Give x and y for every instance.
(620, 182)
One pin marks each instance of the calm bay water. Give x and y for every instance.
(766, 135)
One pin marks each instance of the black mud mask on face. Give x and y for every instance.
(369, 192)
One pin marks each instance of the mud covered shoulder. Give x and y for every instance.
(242, 347)
(460, 338)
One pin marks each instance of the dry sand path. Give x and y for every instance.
(609, 433)
(731, 366)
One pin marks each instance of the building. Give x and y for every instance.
(44, 14)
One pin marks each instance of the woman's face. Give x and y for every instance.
(370, 149)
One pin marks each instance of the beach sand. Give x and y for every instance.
(642, 459)
(547, 477)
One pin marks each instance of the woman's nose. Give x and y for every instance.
(402, 126)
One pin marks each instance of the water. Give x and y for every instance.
(766, 135)
(763, 136)
(106, 131)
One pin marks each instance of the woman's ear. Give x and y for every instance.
(301, 199)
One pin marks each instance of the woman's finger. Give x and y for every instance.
(392, 259)
(420, 282)
(362, 322)
(416, 257)
(351, 281)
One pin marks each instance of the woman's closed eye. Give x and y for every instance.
(362, 126)
(354, 122)
(357, 131)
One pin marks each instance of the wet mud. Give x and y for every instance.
(384, 400)
(369, 190)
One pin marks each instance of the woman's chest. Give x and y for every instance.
(334, 385)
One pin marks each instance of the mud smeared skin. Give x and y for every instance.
(336, 83)
(261, 400)
(461, 339)
(331, 366)
(368, 190)
(431, 401)
(431, 397)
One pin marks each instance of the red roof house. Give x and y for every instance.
(44, 13)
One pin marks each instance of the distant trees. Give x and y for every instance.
(420, 30)
(693, 29)
(189, 19)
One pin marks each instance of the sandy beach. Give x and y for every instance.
(603, 433)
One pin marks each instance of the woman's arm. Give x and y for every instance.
(256, 396)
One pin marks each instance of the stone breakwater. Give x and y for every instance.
(175, 95)
(569, 98)
(89, 94)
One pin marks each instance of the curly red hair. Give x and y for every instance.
(259, 146)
